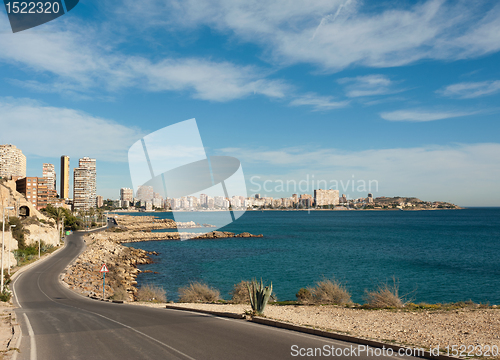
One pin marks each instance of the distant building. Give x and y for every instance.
(145, 193)
(84, 185)
(369, 199)
(12, 162)
(99, 201)
(36, 191)
(29, 187)
(49, 173)
(326, 197)
(64, 192)
(126, 194)
(149, 205)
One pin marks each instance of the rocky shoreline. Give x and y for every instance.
(136, 223)
(84, 277)
(106, 247)
(138, 236)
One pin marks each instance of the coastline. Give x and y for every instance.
(469, 325)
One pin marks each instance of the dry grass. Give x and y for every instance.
(121, 294)
(240, 293)
(386, 296)
(151, 293)
(197, 292)
(326, 292)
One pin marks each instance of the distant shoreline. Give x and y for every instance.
(284, 210)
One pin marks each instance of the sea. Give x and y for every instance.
(437, 256)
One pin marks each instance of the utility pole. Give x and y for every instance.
(11, 237)
(3, 241)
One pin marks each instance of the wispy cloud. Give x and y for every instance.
(469, 90)
(335, 34)
(419, 115)
(78, 61)
(42, 130)
(319, 102)
(369, 85)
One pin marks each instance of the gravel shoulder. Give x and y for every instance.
(422, 328)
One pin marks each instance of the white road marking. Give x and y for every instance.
(117, 322)
(14, 290)
(32, 338)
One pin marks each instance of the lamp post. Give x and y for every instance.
(11, 236)
(61, 234)
(3, 240)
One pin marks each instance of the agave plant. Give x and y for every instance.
(259, 295)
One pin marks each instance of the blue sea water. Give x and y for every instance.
(438, 256)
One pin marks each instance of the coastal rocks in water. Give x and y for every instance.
(151, 223)
(137, 236)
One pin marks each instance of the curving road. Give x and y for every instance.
(59, 324)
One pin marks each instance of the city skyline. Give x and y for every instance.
(332, 90)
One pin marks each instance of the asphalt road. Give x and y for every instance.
(59, 324)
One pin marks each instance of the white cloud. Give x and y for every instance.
(336, 34)
(319, 102)
(469, 90)
(466, 174)
(41, 130)
(208, 80)
(82, 61)
(418, 115)
(369, 85)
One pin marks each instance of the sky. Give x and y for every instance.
(393, 98)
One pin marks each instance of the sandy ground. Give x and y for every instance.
(422, 328)
(5, 329)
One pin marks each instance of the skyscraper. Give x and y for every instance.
(49, 173)
(64, 194)
(12, 162)
(127, 194)
(84, 185)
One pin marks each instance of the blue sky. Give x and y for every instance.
(404, 94)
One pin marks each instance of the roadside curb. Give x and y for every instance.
(215, 313)
(15, 341)
(317, 332)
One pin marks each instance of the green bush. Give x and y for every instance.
(5, 295)
(120, 294)
(304, 296)
(259, 295)
(198, 292)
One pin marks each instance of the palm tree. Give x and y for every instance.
(59, 215)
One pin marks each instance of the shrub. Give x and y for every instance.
(151, 293)
(330, 292)
(386, 296)
(120, 294)
(5, 295)
(198, 292)
(304, 296)
(259, 295)
(240, 293)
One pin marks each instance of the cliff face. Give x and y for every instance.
(45, 233)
